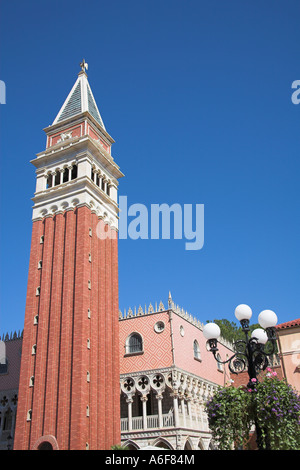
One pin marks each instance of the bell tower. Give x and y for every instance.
(69, 379)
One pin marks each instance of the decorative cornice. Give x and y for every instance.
(71, 144)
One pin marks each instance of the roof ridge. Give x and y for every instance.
(79, 100)
(289, 324)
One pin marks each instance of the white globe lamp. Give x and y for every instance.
(243, 312)
(260, 335)
(267, 319)
(211, 331)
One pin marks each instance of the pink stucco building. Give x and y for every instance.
(167, 375)
(289, 350)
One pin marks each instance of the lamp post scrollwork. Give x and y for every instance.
(250, 354)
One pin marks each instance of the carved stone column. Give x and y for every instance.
(159, 398)
(129, 402)
(53, 173)
(175, 407)
(144, 400)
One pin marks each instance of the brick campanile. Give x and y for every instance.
(69, 379)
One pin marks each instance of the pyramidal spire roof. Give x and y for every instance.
(79, 100)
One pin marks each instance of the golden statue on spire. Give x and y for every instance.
(83, 65)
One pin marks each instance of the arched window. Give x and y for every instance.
(134, 344)
(49, 181)
(65, 175)
(29, 415)
(57, 177)
(197, 354)
(45, 446)
(74, 172)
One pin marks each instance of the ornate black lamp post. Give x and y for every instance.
(250, 353)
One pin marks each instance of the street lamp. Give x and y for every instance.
(251, 353)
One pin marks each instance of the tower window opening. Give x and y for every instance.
(49, 181)
(74, 172)
(57, 178)
(42, 239)
(97, 179)
(65, 175)
(108, 190)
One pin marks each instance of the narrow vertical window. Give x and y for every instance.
(49, 181)
(74, 172)
(65, 175)
(196, 350)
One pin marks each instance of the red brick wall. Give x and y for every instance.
(61, 392)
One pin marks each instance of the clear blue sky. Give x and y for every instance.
(197, 95)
